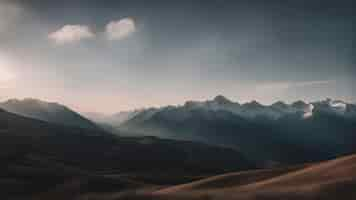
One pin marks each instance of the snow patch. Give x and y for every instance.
(308, 112)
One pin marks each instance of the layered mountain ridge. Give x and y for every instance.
(249, 110)
(311, 131)
(199, 139)
(38, 156)
(47, 111)
(255, 109)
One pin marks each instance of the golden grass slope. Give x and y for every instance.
(335, 179)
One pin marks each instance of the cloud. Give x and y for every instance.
(71, 34)
(287, 85)
(117, 30)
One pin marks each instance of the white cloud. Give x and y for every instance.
(117, 30)
(71, 33)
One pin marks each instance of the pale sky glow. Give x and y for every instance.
(5, 74)
(121, 55)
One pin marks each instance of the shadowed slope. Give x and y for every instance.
(49, 112)
(36, 156)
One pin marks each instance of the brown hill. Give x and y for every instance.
(330, 180)
(40, 158)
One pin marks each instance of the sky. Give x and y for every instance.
(107, 56)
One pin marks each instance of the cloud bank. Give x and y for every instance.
(71, 34)
(117, 30)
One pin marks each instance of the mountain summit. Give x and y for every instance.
(46, 111)
(221, 100)
(298, 127)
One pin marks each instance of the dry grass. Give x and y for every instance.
(330, 180)
(335, 179)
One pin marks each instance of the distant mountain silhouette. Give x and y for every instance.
(270, 134)
(114, 119)
(50, 112)
(36, 156)
(49, 160)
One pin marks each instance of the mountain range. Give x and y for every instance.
(249, 110)
(36, 156)
(48, 151)
(311, 131)
(275, 111)
(46, 111)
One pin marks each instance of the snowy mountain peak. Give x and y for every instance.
(338, 104)
(254, 109)
(332, 106)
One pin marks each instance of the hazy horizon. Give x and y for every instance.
(113, 112)
(122, 55)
